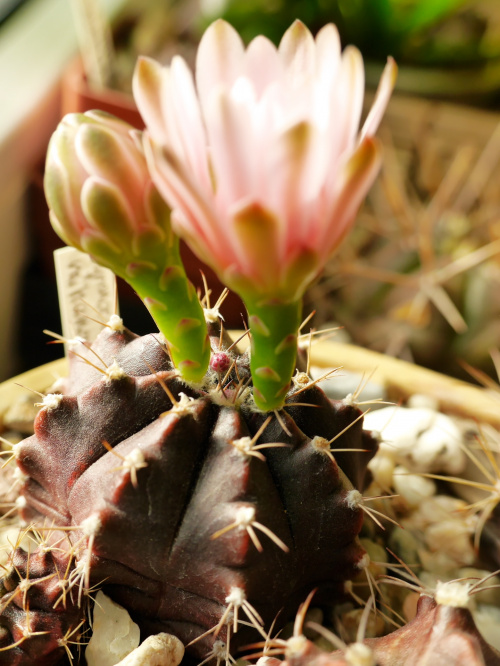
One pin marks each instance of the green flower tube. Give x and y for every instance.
(102, 201)
(274, 327)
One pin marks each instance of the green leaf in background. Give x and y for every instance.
(421, 14)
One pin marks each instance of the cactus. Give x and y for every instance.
(442, 633)
(190, 508)
(207, 492)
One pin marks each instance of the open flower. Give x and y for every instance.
(263, 163)
(264, 168)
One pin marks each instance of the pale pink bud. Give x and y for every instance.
(100, 194)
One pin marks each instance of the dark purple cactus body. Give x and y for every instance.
(174, 507)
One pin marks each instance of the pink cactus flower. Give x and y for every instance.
(262, 161)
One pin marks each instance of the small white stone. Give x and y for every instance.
(422, 401)
(414, 489)
(345, 385)
(437, 509)
(382, 468)
(159, 650)
(421, 439)
(452, 538)
(114, 634)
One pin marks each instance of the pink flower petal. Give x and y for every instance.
(107, 209)
(266, 172)
(351, 88)
(180, 190)
(384, 91)
(328, 54)
(188, 119)
(147, 85)
(219, 59)
(262, 64)
(107, 155)
(301, 269)
(256, 229)
(355, 180)
(291, 175)
(346, 104)
(298, 54)
(230, 149)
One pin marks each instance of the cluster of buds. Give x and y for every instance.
(261, 162)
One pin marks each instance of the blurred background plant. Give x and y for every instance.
(461, 37)
(414, 31)
(443, 47)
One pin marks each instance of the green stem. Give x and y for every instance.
(274, 327)
(174, 305)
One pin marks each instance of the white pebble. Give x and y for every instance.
(414, 489)
(159, 650)
(452, 538)
(382, 468)
(114, 634)
(420, 400)
(419, 438)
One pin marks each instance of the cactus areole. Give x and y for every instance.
(200, 488)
